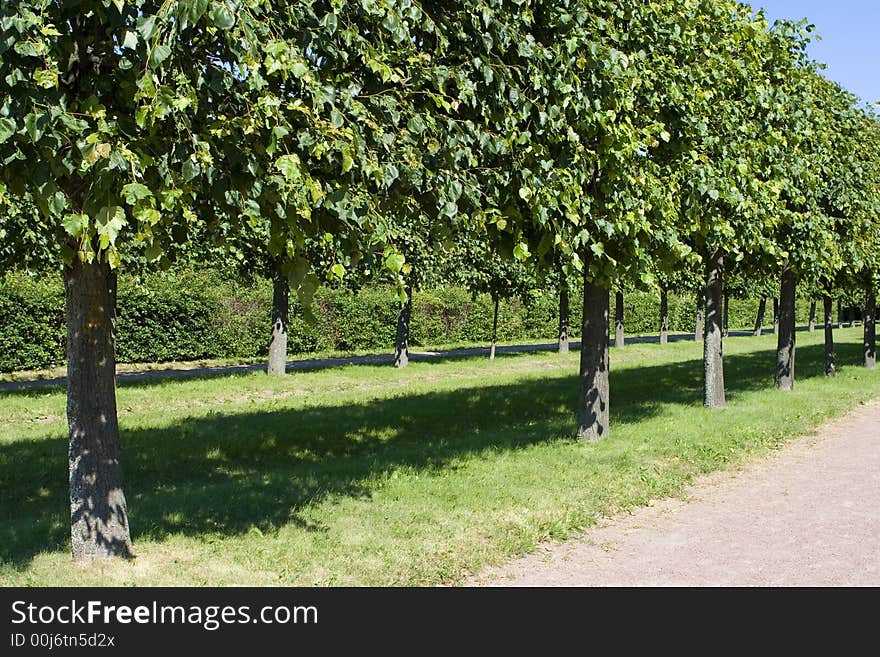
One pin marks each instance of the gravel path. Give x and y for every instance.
(808, 515)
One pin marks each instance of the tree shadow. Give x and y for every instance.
(228, 473)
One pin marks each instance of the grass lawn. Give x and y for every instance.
(365, 475)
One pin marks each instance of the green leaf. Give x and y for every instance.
(347, 161)
(221, 17)
(190, 170)
(288, 165)
(337, 271)
(130, 41)
(134, 192)
(160, 53)
(299, 70)
(35, 124)
(109, 221)
(148, 216)
(7, 129)
(394, 263)
(329, 22)
(46, 78)
(521, 252)
(75, 224)
(146, 27)
(154, 251)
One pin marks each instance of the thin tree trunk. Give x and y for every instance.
(699, 326)
(839, 314)
(830, 356)
(759, 321)
(401, 345)
(664, 316)
(852, 317)
(871, 329)
(725, 329)
(564, 317)
(619, 336)
(785, 344)
(713, 352)
(593, 402)
(812, 316)
(494, 330)
(775, 316)
(277, 365)
(98, 516)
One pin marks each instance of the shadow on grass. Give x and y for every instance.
(229, 473)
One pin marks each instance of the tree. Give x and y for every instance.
(583, 174)
(138, 128)
(104, 129)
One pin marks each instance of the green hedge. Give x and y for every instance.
(190, 316)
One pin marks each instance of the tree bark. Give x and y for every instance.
(812, 316)
(494, 330)
(98, 515)
(785, 344)
(593, 403)
(775, 316)
(564, 317)
(830, 356)
(871, 328)
(725, 327)
(759, 321)
(401, 345)
(699, 327)
(713, 352)
(664, 317)
(277, 365)
(839, 314)
(619, 336)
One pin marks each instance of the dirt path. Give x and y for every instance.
(806, 515)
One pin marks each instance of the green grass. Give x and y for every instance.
(372, 476)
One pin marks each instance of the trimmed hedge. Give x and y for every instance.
(196, 315)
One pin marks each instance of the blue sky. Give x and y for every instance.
(850, 45)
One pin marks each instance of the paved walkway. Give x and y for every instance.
(806, 515)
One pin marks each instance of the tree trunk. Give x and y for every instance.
(839, 314)
(871, 329)
(830, 356)
(619, 337)
(664, 317)
(775, 316)
(725, 328)
(813, 316)
(593, 403)
(98, 516)
(401, 346)
(852, 317)
(699, 328)
(494, 331)
(785, 344)
(759, 321)
(713, 353)
(280, 318)
(564, 313)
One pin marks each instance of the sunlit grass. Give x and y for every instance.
(370, 475)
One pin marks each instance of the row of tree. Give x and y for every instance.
(610, 142)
